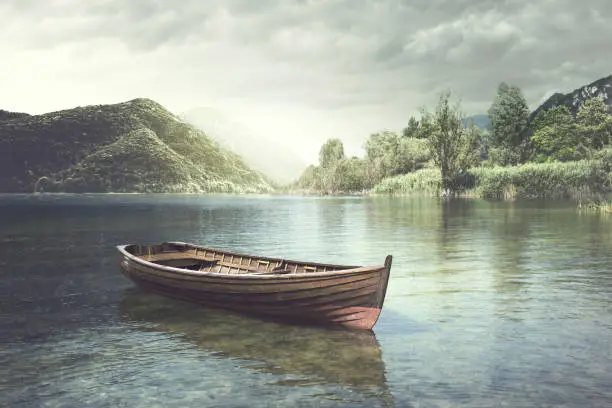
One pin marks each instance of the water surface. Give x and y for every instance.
(489, 304)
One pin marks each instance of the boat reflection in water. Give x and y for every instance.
(348, 358)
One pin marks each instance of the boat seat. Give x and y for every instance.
(275, 271)
(281, 269)
(238, 266)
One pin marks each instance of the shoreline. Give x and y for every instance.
(423, 194)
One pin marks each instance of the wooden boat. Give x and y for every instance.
(351, 296)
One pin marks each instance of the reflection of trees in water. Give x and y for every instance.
(509, 244)
(517, 253)
(357, 230)
(401, 213)
(455, 228)
(509, 240)
(596, 231)
(584, 258)
(538, 247)
(331, 214)
(333, 226)
(350, 359)
(405, 225)
(267, 225)
(429, 233)
(234, 226)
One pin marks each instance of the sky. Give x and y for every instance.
(300, 71)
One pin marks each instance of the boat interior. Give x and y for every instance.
(196, 258)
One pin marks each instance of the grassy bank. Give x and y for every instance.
(578, 180)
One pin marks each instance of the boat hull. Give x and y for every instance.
(349, 297)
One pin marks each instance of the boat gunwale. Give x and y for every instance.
(289, 276)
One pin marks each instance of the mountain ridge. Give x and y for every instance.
(600, 88)
(132, 146)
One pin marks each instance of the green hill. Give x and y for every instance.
(135, 146)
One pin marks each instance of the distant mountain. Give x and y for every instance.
(601, 88)
(135, 146)
(481, 121)
(273, 157)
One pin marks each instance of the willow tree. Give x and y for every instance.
(453, 146)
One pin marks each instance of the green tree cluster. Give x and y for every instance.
(335, 171)
(444, 139)
(558, 136)
(553, 135)
(387, 154)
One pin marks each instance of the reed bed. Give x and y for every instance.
(426, 181)
(555, 180)
(578, 180)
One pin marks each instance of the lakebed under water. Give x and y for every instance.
(489, 304)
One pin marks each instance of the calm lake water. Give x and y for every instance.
(489, 304)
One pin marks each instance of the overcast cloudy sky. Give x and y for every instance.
(304, 70)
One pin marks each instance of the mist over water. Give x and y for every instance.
(489, 304)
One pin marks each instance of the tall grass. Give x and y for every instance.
(579, 180)
(555, 180)
(426, 181)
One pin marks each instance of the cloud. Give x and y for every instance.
(310, 69)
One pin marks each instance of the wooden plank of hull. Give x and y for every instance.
(307, 299)
(280, 307)
(351, 298)
(347, 313)
(311, 294)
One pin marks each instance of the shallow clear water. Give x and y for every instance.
(489, 304)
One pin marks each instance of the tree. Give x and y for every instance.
(412, 130)
(555, 135)
(454, 147)
(310, 178)
(350, 175)
(509, 116)
(594, 121)
(382, 154)
(331, 153)
(413, 154)
(388, 154)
